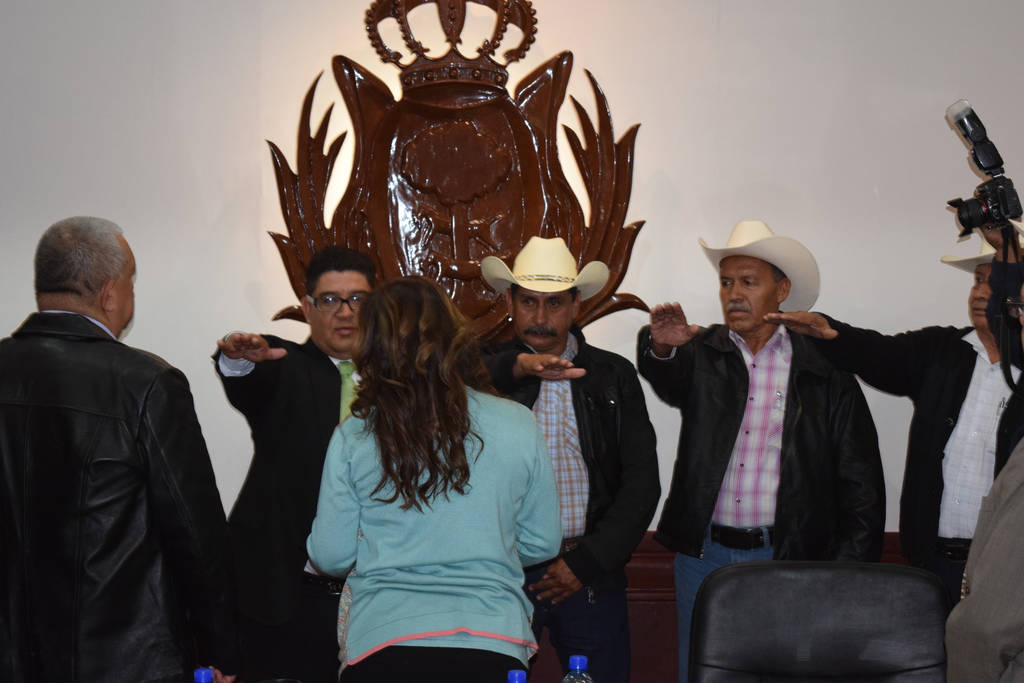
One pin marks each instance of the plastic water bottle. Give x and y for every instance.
(202, 675)
(577, 670)
(516, 676)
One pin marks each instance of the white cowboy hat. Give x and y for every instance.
(985, 254)
(754, 238)
(969, 263)
(545, 265)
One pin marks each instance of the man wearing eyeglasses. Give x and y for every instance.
(964, 418)
(293, 396)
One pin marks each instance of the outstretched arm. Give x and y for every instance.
(802, 322)
(546, 366)
(252, 347)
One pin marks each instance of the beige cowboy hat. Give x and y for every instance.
(985, 254)
(969, 263)
(755, 238)
(545, 265)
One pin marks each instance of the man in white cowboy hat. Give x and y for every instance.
(778, 455)
(591, 409)
(964, 416)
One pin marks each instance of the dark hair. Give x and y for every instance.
(573, 291)
(339, 259)
(777, 274)
(78, 256)
(416, 357)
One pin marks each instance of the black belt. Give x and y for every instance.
(569, 544)
(742, 539)
(330, 584)
(955, 549)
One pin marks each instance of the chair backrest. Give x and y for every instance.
(809, 621)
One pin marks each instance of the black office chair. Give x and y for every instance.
(819, 621)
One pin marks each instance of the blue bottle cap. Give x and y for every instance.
(202, 675)
(578, 662)
(516, 676)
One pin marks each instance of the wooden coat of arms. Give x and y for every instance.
(458, 168)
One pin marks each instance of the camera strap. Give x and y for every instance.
(1009, 327)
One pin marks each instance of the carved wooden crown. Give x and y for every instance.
(453, 66)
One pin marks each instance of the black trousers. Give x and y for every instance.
(950, 571)
(408, 664)
(304, 647)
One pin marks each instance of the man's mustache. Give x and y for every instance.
(540, 331)
(740, 306)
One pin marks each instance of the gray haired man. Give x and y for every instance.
(115, 543)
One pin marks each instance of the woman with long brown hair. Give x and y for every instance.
(440, 493)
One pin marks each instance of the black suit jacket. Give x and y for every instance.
(933, 367)
(292, 406)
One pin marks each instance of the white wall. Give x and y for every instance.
(822, 117)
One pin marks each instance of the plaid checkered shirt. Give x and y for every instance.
(969, 459)
(557, 418)
(747, 496)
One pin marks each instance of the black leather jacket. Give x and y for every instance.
(831, 498)
(114, 555)
(619, 449)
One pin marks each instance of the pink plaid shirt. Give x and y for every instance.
(747, 496)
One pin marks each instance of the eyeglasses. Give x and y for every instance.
(1014, 308)
(330, 303)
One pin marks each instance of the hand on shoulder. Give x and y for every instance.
(802, 322)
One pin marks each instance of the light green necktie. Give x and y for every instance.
(348, 388)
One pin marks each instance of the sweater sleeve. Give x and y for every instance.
(334, 535)
(539, 520)
(892, 363)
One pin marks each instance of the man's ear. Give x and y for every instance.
(107, 298)
(782, 293)
(307, 308)
(508, 300)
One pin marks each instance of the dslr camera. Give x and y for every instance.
(995, 201)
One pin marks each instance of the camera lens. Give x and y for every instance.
(971, 213)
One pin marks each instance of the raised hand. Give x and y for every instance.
(669, 328)
(249, 346)
(802, 322)
(545, 366)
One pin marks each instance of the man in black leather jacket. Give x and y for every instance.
(114, 554)
(778, 455)
(592, 411)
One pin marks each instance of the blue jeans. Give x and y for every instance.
(596, 626)
(689, 575)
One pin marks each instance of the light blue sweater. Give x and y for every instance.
(451, 575)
